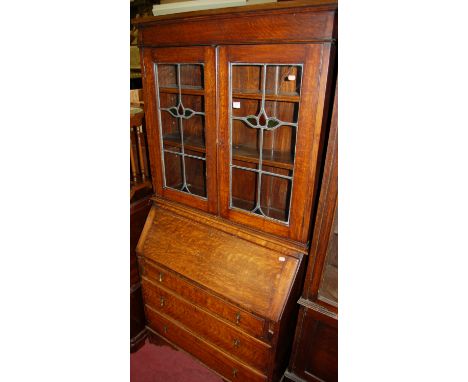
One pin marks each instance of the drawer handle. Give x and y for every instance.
(234, 372)
(238, 317)
(236, 342)
(161, 299)
(160, 277)
(165, 329)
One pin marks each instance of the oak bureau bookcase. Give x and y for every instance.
(237, 110)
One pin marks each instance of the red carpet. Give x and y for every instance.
(161, 363)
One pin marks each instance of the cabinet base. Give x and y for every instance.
(137, 342)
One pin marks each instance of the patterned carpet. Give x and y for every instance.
(161, 363)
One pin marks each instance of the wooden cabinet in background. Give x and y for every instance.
(138, 212)
(140, 204)
(236, 104)
(315, 352)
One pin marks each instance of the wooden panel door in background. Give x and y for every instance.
(271, 120)
(181, 120)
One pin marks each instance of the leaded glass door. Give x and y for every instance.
(184, 143)
(270, 127)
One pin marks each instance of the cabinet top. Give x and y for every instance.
(286, 6)
(290, 22)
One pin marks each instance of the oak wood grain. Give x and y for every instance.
(309, 136)
(211, 355)
(208, 260)
(296, 23)
(250, 275)
(220, 333)
(217, 305)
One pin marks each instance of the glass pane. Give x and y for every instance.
(173, 169)
(279, 147)
(196, 173)
(182, 127)
(283, 79)
(328, 290)
(245, 107)
(192, 103)
(167, 76)
(170, 126)
(194, 133)
(191, 76)
(167, 100)
(263, 136)
(285, 112)
(244, 187)
(275, 196)
(246, 78)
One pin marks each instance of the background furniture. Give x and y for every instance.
(140, 204)
(140, 183)
(315, 354)
(237, 119)
(138, 212)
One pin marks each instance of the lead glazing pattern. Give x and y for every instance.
(181, 113)
(262, 121)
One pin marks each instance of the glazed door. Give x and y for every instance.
(271, 115)
(181, 120)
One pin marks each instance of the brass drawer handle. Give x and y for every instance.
(238, 317)
(161, 299)
(236, 342)
(165, 329)
(234, 372)
(160, 277)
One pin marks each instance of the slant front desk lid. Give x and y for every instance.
(250, 275)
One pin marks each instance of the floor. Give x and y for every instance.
(153, 363)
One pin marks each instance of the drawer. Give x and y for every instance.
(210, 355)
(246, 321)
(220, 333)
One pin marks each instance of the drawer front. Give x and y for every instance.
(211, 356)
(250, 350)
(246, 321)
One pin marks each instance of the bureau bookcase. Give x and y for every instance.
(237, 110)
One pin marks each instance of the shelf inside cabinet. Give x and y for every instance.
(293, 97)
(188, 90)
(190, 143)
(245, 154)
(270, 158)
